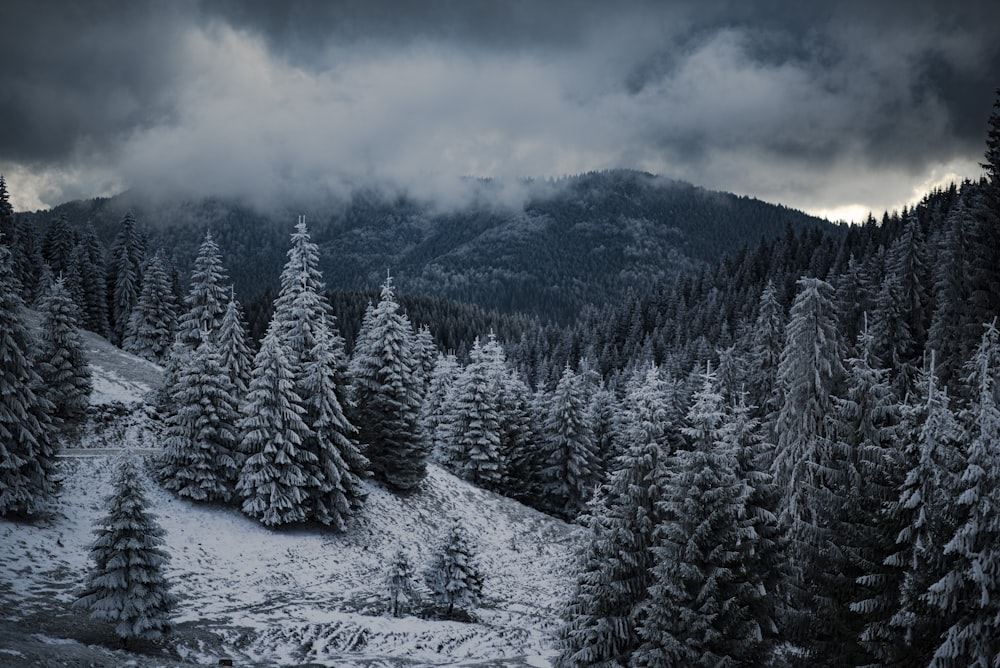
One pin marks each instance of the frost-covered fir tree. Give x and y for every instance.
(274, 483)
(767, 341)
(340, 466)
(27, 437)
(923, 519)
(969, 593)
(386, 396)
(202, 457)
(570, 463)
(703, 603)
(399, 588)
(863, 478)
(305, 324)
(472, 444)
(809, 375)
(453, 575)
(425, 354)
(434, 407)
(205, 303)
(517, 437)
(60, 360)
(600, 619)
(126, 585)
(150, 330)
(124, 275)
(235, 355)
(93, 288)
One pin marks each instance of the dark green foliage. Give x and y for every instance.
(124, 275)
(453, 576)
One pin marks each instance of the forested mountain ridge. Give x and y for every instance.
(574, 241)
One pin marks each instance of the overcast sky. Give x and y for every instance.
(834, 108)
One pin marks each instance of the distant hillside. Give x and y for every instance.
(576, 241)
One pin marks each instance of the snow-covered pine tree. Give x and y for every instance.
(205, 303)
(59, 359)
(202, 457)
(809, 376)
(124, 275)
(340, 466)
(425, 354)
(235, 355)
(517, 437)
(126, 585)
(923, 519)
(92, 284)
(600, 620)
(767, 341)
(472, 447)
(273, 482)
(304, 321)
(387, 398)
(703, 602)
(864, 476)
(969, 593)
(27, 436)
(399, 587)
(570, 463)
(150, 330)
(57, 245)
(434, 407)
(453, 576)
(946, 335)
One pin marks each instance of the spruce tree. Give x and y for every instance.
(7, 224)
(923, 519)
(57, 245)
(94, 306)
(274, 483)
(704, 600)
(59, 359)
(151, 325)
(27, 437)
(600, 620)
(570, 462)
(473, 424)
(765, 355)
(205, 303)
(202, 457)
(947, 334)
(399, 587)
(434, 408)
(126, 585)
(124, 276)
(969, 593)
(453, 576)
(804, 465)
(235, 355)
(387, 398)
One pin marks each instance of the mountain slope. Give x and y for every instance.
(576, 241)
(277, 597)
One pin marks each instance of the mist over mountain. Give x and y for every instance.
(545, 248)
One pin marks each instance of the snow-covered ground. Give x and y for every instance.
(265, 597)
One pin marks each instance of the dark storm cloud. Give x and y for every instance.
(798, 102)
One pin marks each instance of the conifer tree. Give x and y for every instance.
(274, 483)
(150, 330)
(94, 307)
(126, 585)
(601, 618)
(57, 245)
(59, 359)
(570, 462)
(703, 602)
(473, 424)
(969, 593)
(517, 438)
(7, 225)
(124, 275)
(434, 408)
(27, 438)
(305, 323)
(202, 457)
(235, 356)
(399, 585)
(923, 519)
(804, 465)
(424, 356)
(205, 303)
(947, 334)
(864, 475)
(453, 575)
(765, 354)
(386, 396)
